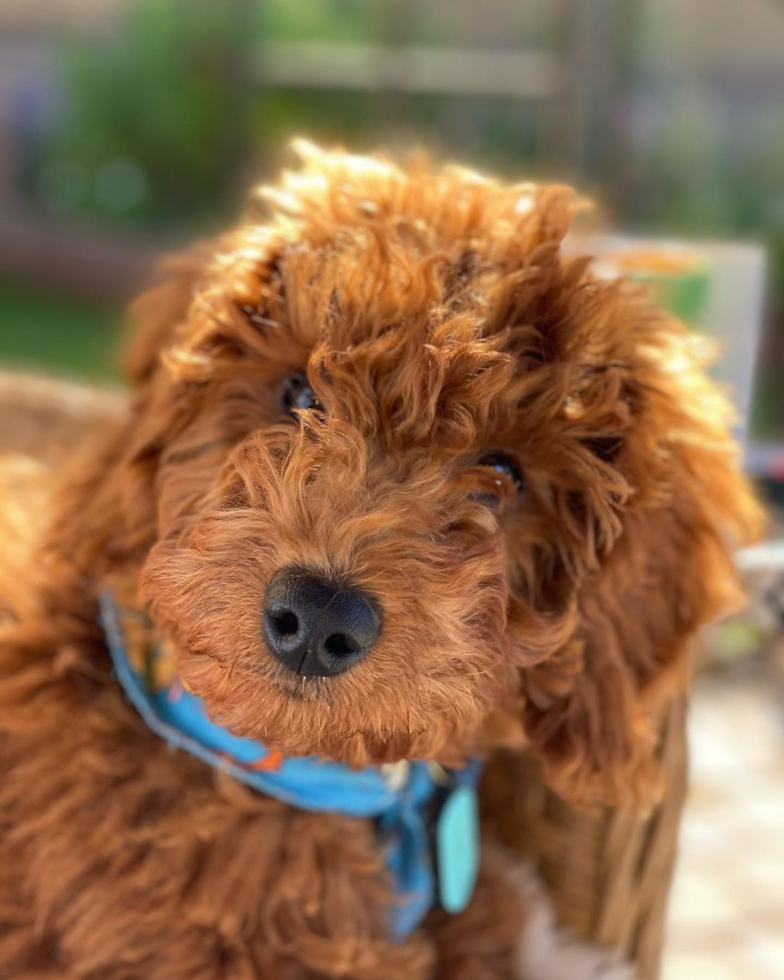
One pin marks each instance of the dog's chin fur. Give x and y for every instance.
(437, 321)
(319, 716)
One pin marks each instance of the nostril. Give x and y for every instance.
(340, 645)
(285, 623)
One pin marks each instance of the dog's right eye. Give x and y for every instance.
(504, 467)
(297, 395)
(506, 478)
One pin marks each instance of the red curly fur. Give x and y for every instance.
(437, 318)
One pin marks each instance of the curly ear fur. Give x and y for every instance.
(591, 710)
(156, 315)
(106, 511)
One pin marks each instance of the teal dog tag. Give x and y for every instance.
(457, 848)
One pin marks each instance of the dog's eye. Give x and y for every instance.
(297, 394)
(505, 475)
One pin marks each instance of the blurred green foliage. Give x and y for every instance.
(146, 130)
(37, 331)
(698, 172)
(358, 21)
(345, 21)
(157, 117)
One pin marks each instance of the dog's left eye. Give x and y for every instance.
(297, 394)
(506, 474)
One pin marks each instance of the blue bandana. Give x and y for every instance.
(426, 815)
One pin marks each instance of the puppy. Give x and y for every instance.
(400, 485)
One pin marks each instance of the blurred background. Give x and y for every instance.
(128, 127)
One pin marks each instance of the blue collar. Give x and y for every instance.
(426, 816)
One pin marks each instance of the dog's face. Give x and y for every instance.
(387, 453)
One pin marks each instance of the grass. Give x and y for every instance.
(41, 331)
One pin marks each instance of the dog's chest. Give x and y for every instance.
(115, 828)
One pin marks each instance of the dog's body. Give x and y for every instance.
(517, 474)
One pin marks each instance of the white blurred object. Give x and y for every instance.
(767, 555)
(734, 314)
(733, 308)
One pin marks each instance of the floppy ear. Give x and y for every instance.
(195, 319)
(105, 510)
(591, 708)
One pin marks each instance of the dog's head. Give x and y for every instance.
(403, 481)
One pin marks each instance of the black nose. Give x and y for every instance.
(316, 628)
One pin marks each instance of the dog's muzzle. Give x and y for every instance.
(315, 627)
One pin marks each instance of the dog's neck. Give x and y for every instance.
(413, 803)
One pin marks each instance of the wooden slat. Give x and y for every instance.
(422, 70)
